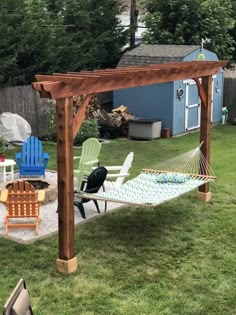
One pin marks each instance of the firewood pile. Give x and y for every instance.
(117, 118)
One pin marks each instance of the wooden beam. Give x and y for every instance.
(66, 263)
(77, 84)
(50, 89)
(205, 127)
(80, 115)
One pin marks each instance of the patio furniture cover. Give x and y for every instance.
(14, 128)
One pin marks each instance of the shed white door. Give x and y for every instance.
(192, 106)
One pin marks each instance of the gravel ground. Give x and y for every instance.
(49, 218)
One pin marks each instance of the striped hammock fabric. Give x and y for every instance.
(146, 189)
(155, 186)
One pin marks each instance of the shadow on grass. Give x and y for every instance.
(136, 232)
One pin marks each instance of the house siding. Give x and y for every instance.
(150, 101)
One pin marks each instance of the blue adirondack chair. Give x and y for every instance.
(32, 161)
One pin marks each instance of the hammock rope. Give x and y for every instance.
(191, 162)
(168, 180)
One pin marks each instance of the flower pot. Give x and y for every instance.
(2, 157)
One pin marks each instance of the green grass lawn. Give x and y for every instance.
(177, 258)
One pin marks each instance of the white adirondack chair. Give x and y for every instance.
(117, 174)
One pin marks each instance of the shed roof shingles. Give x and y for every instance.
(153, 54)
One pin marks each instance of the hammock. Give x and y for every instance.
(168, 180)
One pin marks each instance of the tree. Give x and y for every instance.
(92, 37)
(44, 36)
(233, 30)
(12, 26)
(187, 21)
(217, 23)
(25, 36)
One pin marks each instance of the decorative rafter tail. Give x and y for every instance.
(50, 89)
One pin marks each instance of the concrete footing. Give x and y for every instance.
(206, 197)
(67, 266)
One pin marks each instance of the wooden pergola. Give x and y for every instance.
(62, 88)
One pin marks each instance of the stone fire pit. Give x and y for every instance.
(38, 183)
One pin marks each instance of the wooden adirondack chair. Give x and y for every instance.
(32, 161)
(117, 174)
(89, 158)
(22, 201)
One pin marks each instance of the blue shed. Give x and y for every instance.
(176, 103)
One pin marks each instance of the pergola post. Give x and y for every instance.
(205, 130)
(67, 262)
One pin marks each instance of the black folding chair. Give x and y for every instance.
(92, 185)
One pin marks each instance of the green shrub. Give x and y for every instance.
(3, 144)
(89, 129)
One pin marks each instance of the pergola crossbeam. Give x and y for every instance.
(92, 82)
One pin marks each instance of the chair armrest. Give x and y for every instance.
(46, 156)
(4, 195)
(18, 157)
(41, 195)
(113, 168)
(91, 162)
(77, 171)
(117, 175)
(110, 168)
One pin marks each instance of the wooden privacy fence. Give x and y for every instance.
(25, 101)
(230, 93)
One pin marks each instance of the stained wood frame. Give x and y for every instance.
(63, 86)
